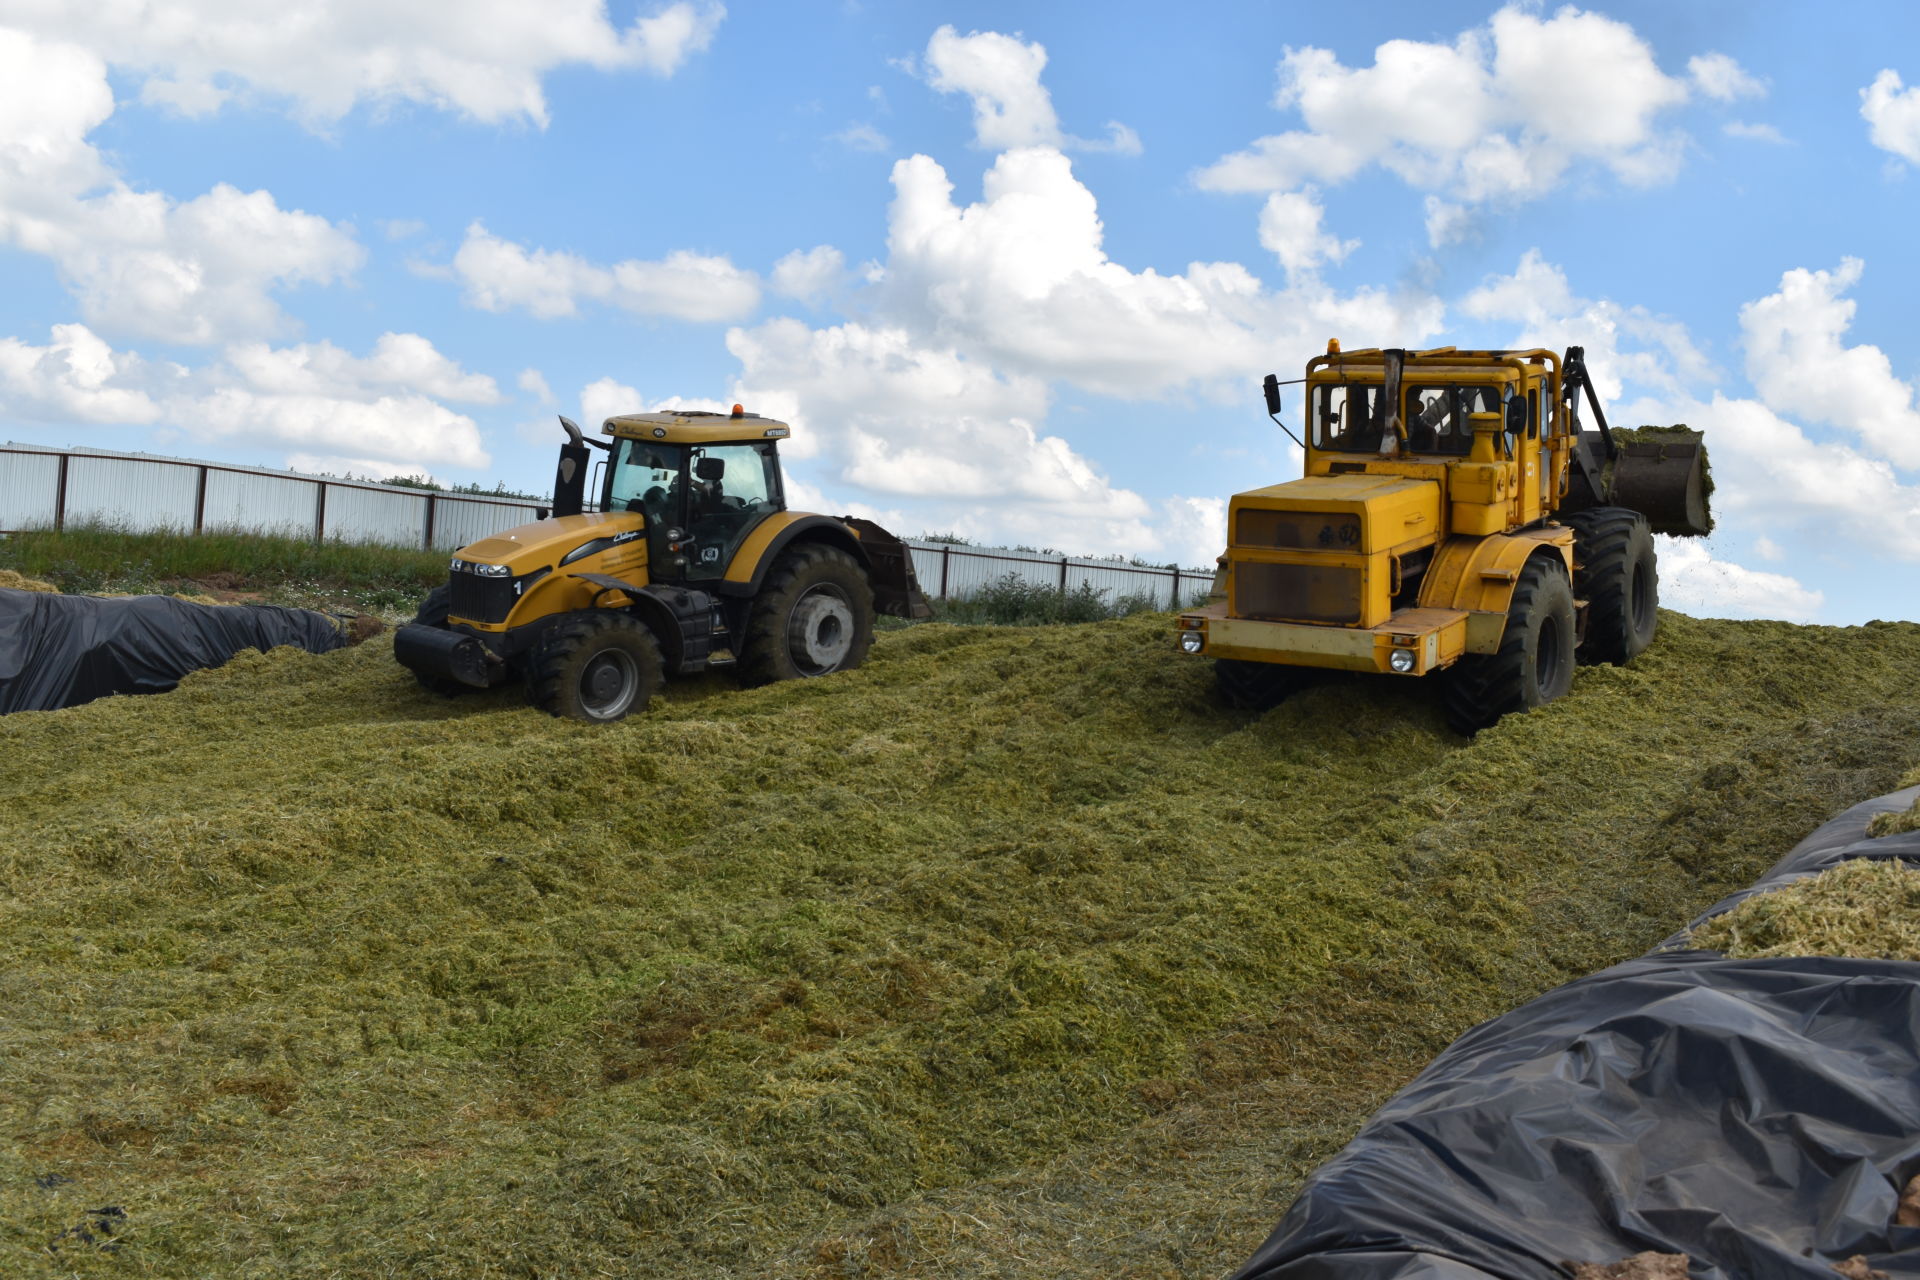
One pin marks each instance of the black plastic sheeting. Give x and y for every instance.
(1759, 1116)
(60, 651)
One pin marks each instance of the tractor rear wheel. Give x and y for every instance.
(598, 666)
(1615, 573)
(813, 617)
(1256, 686)
(1534, 664)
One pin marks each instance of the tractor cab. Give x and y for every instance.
(701, 497)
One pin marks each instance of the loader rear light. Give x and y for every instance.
(1192, 641)
(1401, 660)
(1191, 623)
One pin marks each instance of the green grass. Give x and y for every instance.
(1009, 954)
(279, 570)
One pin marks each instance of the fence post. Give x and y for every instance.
(946, 558)
(430, 509)
(200, 503)
(1063, 575)
(60, 496)
(320, 512)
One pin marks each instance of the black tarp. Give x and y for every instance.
(59, 651)
(1759, 1116)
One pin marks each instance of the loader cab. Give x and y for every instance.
(702, 489)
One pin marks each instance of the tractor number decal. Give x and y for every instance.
(1345, 533)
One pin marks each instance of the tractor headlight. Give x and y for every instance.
(1190, 641)
(456, 565)
(1401, 660)
(493, 570)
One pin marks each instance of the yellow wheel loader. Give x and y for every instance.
(692, 563)
(1455, 518)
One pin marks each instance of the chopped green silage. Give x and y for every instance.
(20, 582)
(1010, 954)
(1864, 907)
(1904, 820)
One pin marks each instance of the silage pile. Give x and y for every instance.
(1864, 907)
(1011, 953)
(15, 581)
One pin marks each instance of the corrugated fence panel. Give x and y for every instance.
(29, 483)
(376, 515)
(246, 500)
(131, 493)
(955, 572)
(1117, 582)
(458, 521)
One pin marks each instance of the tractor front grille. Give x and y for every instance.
(1296, 592)
(480, 599)
(1297, 530)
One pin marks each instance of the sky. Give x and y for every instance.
(1014, 272)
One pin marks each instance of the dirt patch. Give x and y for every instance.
(1641, 1266)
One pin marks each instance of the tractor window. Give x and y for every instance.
(731, 488)
(1438, 416)
(1344, 418)
(645, 478)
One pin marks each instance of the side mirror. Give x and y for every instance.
(710, 469)
(1272, 388)
(1517, 416)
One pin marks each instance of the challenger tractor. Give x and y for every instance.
(1455, 519)
(691, 563)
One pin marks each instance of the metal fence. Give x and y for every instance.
(52, 488)
(949, 572)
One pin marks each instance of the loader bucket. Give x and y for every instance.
(896, 590)
(1662, 473)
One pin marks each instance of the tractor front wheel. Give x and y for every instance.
(1256, 686)
(813, 617)
(597, 666)
(1614, 572)
(1534, 664)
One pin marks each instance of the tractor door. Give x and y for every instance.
(731, 488)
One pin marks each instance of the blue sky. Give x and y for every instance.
(1014, 271)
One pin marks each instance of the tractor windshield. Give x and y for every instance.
(645, 476)
(1437, 419)
(1346, 418)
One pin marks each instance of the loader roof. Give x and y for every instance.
(695, 426)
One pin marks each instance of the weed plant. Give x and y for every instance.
(1013, 601)
(281, 569)
(1009, 954)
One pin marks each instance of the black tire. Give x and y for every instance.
(813, 617)
(1534, 664)
(1615, 573)
(433, 613)
(1256, 686)
(598, 666)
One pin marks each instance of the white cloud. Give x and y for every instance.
(1754, 132)
(1537, 299)
(484, 59)
(1194, 531)
(1290, 229)
(605, 399)
(76, 377)
(863, 137)
(1719, 76)
(1893, 115)
(1446, 223)
(500, 275)
(1022, 279)
(399, 361)
(1767, 549)
(809, 275)
(1498, 114)
(1011, 108)
(534, 383)
(140, 262)
(1796, 361)
(1693, 580)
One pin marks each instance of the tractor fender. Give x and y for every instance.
(775, 534)
(1480, 574)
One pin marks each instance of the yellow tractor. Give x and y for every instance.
(1455, 517)
(691, 563)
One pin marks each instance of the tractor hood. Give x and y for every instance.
(1351, 513)
(546, 544)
